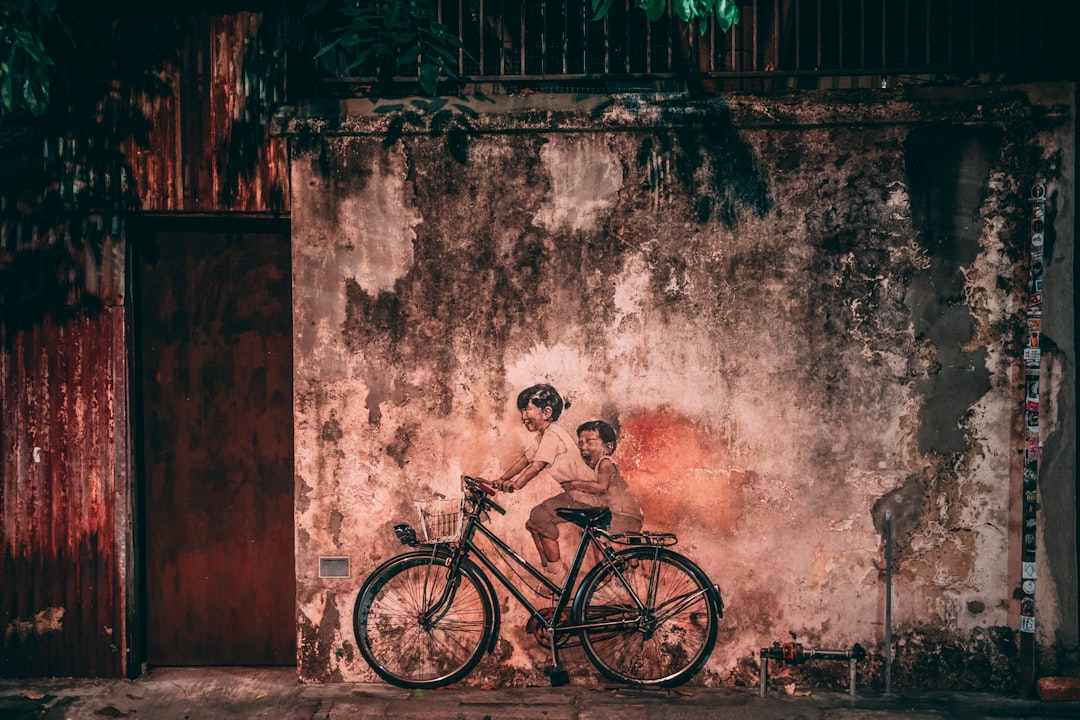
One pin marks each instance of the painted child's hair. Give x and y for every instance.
(601, 428)
(542, 396)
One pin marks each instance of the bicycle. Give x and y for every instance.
(644, 614)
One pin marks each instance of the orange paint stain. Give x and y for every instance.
(682, 476)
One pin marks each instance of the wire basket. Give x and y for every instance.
(440, 520)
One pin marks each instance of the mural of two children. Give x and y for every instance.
(584, 470)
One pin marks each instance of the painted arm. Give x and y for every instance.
(605, 473)
(523, 470)
(531, 470)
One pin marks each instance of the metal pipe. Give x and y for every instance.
(888, 601)
(795, 654)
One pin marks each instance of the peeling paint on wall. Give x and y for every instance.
(791, 325)
(49, 620)
(585, 180)
(947, 171)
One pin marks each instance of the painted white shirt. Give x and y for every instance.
(558, 449)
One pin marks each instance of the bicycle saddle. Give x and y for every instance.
(596, 516)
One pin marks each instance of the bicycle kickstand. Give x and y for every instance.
(556, 673)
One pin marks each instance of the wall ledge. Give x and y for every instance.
(540, 112)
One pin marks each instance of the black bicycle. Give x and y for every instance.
(644, 614)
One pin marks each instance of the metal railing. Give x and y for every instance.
(546, 44)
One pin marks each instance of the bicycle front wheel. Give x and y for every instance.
(654, 616)
(412, 632)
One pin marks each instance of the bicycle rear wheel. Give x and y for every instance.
(657, 617)
(406, 643)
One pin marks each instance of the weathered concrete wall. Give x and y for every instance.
(798, 311)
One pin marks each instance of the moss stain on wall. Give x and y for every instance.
(790, 324)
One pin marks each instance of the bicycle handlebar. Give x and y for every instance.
(483, 492)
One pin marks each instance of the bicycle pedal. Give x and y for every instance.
(557, 675)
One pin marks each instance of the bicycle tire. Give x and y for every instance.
(401, 649)
(663, 645)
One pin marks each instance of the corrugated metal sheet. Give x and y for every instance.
(63, 476)
(63, 410)
(208, 148)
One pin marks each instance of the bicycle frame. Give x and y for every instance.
(563, 594)
(591, 536)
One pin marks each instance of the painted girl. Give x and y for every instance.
(554, 454)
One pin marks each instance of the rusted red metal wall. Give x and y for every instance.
(194, 141)
(207, 148)
(64, 477)
(64, 490)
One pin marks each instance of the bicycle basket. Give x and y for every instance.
(440, 520)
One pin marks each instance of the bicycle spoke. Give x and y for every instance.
(656, 623)
(677, 605)
(407, 640)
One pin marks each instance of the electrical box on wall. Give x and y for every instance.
(333, 567)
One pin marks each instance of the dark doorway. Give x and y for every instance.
(213, 358)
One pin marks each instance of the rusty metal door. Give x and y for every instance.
(214, 354)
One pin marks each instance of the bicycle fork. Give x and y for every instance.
(434, 610)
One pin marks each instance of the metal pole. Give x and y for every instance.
(888, 601)
(764, 673)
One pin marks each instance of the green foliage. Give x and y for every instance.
(26, 65)
(726, 12)
(400, 36)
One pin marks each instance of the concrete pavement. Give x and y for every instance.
(275, 693)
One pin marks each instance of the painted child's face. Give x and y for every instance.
(535, 419)
(591, 447)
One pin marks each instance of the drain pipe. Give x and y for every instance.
(888, 602)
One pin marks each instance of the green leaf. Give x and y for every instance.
(446, 54)
(314, 8)
(448, 69)
(30, 97)
(400, 39)
(727, 14)
(685, 10)
(397, 33)
(429, 78)
(654, 9)
(7, 97)
(600, 8)
(363, 25)
(327, 48)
